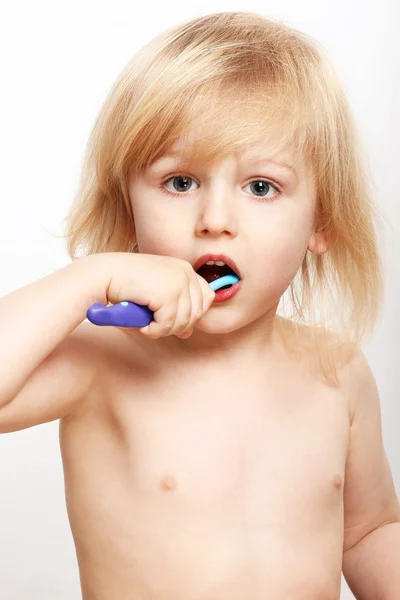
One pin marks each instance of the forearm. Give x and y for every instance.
(372, 567)
(34, 319)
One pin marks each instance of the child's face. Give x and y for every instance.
(226, 209)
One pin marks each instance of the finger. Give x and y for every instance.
(208, 293)
(185, 334)
(183, 312)
(163, 320)
(196, 297)
(196, 293)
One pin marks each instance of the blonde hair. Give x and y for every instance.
(242, 75)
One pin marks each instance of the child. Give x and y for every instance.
(224, 452)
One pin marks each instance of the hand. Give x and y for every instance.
(169, 286)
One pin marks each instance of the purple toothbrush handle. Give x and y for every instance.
(123, 314)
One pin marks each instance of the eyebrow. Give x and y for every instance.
(261, 161)
(283, 164)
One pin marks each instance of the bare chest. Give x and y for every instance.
(219, 473)
(238, 438)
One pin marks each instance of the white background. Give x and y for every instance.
(58, 61)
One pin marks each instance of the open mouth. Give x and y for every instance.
(213, 272)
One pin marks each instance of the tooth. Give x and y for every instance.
(210, 262)
(219, 263)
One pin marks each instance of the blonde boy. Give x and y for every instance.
(224, 452)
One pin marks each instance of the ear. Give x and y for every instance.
(318, 242)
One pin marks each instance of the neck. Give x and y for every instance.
(254, 339)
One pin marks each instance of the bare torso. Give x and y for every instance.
(205, 482)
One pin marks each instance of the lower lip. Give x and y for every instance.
(226, 293)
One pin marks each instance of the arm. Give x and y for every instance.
(371, 559)
(42, 367)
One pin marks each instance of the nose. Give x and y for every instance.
(217, 212)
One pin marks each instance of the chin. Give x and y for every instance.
(217, 324)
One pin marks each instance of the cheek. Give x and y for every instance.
(158, 234)
(281, 246)
(290, 246)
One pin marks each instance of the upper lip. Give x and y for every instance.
(222, 257)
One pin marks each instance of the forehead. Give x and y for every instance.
(204, 128)
(201, 133)
(188, 149)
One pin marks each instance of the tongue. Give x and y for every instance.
(213, 272)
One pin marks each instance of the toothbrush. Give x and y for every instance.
(130, 314)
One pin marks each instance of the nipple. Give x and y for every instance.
(168, 483)
(337, 481)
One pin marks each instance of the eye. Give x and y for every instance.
(261, 188)
(181, 184)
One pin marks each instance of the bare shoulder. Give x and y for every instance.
(117, 359)
(110, 350)
(357, 381)
(354, 375)
(308, 343)
(89, 351)
(99, 345)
